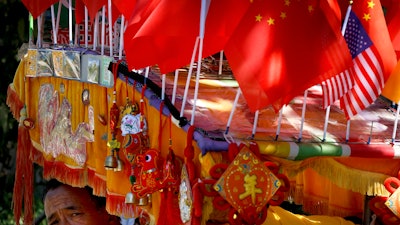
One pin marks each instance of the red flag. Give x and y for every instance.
(168, 35)
(37, 7)
(281, 48)
(94, 6)
(79, 11)
(373, 55)
(125, 7)
(392, 16)
(221, 21)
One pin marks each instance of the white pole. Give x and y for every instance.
(175, 86)
(146, 74)
(278, 130)
(345, 25)
(53, 25)
(163, 87)
(395, 122)
(253, 133)
(121, 37)
(328, 109)
(86, 27)
(238, 92)
(348, 131)
(221, 59)
(58, 16)
(110, 25)
(189, 75)
(103, 28)
(96, 31)
(203, 14)
(39, 36)
(303, 113)
(70, 22)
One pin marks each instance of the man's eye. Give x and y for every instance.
(74, 214)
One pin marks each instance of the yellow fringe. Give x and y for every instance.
(363, 182)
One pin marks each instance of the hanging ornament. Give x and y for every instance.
(111, 162)
(185, 197)
(86, 97)
(150, 179)
(172, 164)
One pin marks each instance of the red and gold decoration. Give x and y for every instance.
(247, 184)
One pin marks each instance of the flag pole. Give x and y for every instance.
(53, 25)
(189, 76)
(58, 16)
(232, 110)
(175, 86)
(278, 130)
(253, 133)
(110, 25)
(395, 123)
(203, 14)
(39, 36)
(163, 87)
(328, 109)
(86, 27)
(96, 31)
(121, 36)
(303, 113)
(345, 25)
(347, 130)
(103, 28)
(221, 59)
(70, 22)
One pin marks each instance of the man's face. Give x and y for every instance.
(69, 205)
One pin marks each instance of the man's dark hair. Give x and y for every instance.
(52, 184)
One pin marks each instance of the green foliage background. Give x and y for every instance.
(13, 33)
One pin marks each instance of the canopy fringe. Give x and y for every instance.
(359, 181)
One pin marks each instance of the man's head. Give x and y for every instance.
(64, 204)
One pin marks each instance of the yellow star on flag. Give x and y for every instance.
(258, 18)
(271, 21)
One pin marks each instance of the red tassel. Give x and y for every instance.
(170, 209)
(23, 184)
(189, 155)
(14, 103)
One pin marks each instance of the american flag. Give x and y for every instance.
(367, 67)
(335, 87)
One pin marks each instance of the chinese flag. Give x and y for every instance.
(37, 7)
(94, 6)
(79, 11)
(281, 48)
(167, 36)
(125, 7)
(392, 17)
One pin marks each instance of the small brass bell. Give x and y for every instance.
(143, 201)
(120, 164)
(130, 198)
(111, 161)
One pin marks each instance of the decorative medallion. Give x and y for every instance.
(247, 184)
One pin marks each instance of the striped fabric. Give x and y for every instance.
(335, 87)
(368, 74)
